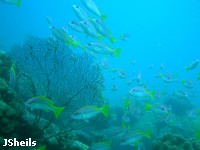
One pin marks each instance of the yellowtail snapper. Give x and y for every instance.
(60, 34)
(141, 92)
(192, 66)
(12, 77)
(75, 25)
(43, 103)
(92, 7)
(80, 13)
(102, 29)
(90, 30)
(101, 48)
(13, 2)
(88, 112)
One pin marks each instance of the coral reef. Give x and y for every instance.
(175, 142)
(18, 122)
(180, 106)
(48, 67)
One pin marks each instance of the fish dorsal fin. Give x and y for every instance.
(46, 100)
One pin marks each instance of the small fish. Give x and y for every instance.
(114, 87)
(12, 76)
(132, 62)
(104, 63)
(101, 146)
(13, 2)
(103, 49)
(60, 34)
(49, 20)
(118, 132)
(151, 66)
(141, 92)
(188, 84)
(113, 70)
(122, 74)
(138, 78)
(80, 13)
(192, 66)
(92, 7)
(168, 78)
(88, 112)
(102, 29)
(74, 25)
(181, 94)
(162, 66)
(129, 82)
(43, 103)
(133, 138)
(125, 37)
(90, 30)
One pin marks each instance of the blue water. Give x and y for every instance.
(161, 32)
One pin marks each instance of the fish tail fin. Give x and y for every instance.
(117, 52)
(198, 76)
(57, 111)
(148, 134)
(99, 37)
(183, 81)
(103, 17)
(74, 44)
(152, 94)
(187, 69)
(104, 110)
(112, 40)
(160, 75)
(126, 125)
(18, 4)
(83, 47)
(123, 124)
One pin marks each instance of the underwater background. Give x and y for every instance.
(137, 86)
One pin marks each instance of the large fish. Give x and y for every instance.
(80, 13)
(102, 29)
(88, 112)
(43, 103)
(74, 25)
(89, 29)
(101, 48)
(133, 138)
(60, 34)
(141, 92)
(92, 7)
(13, 2)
